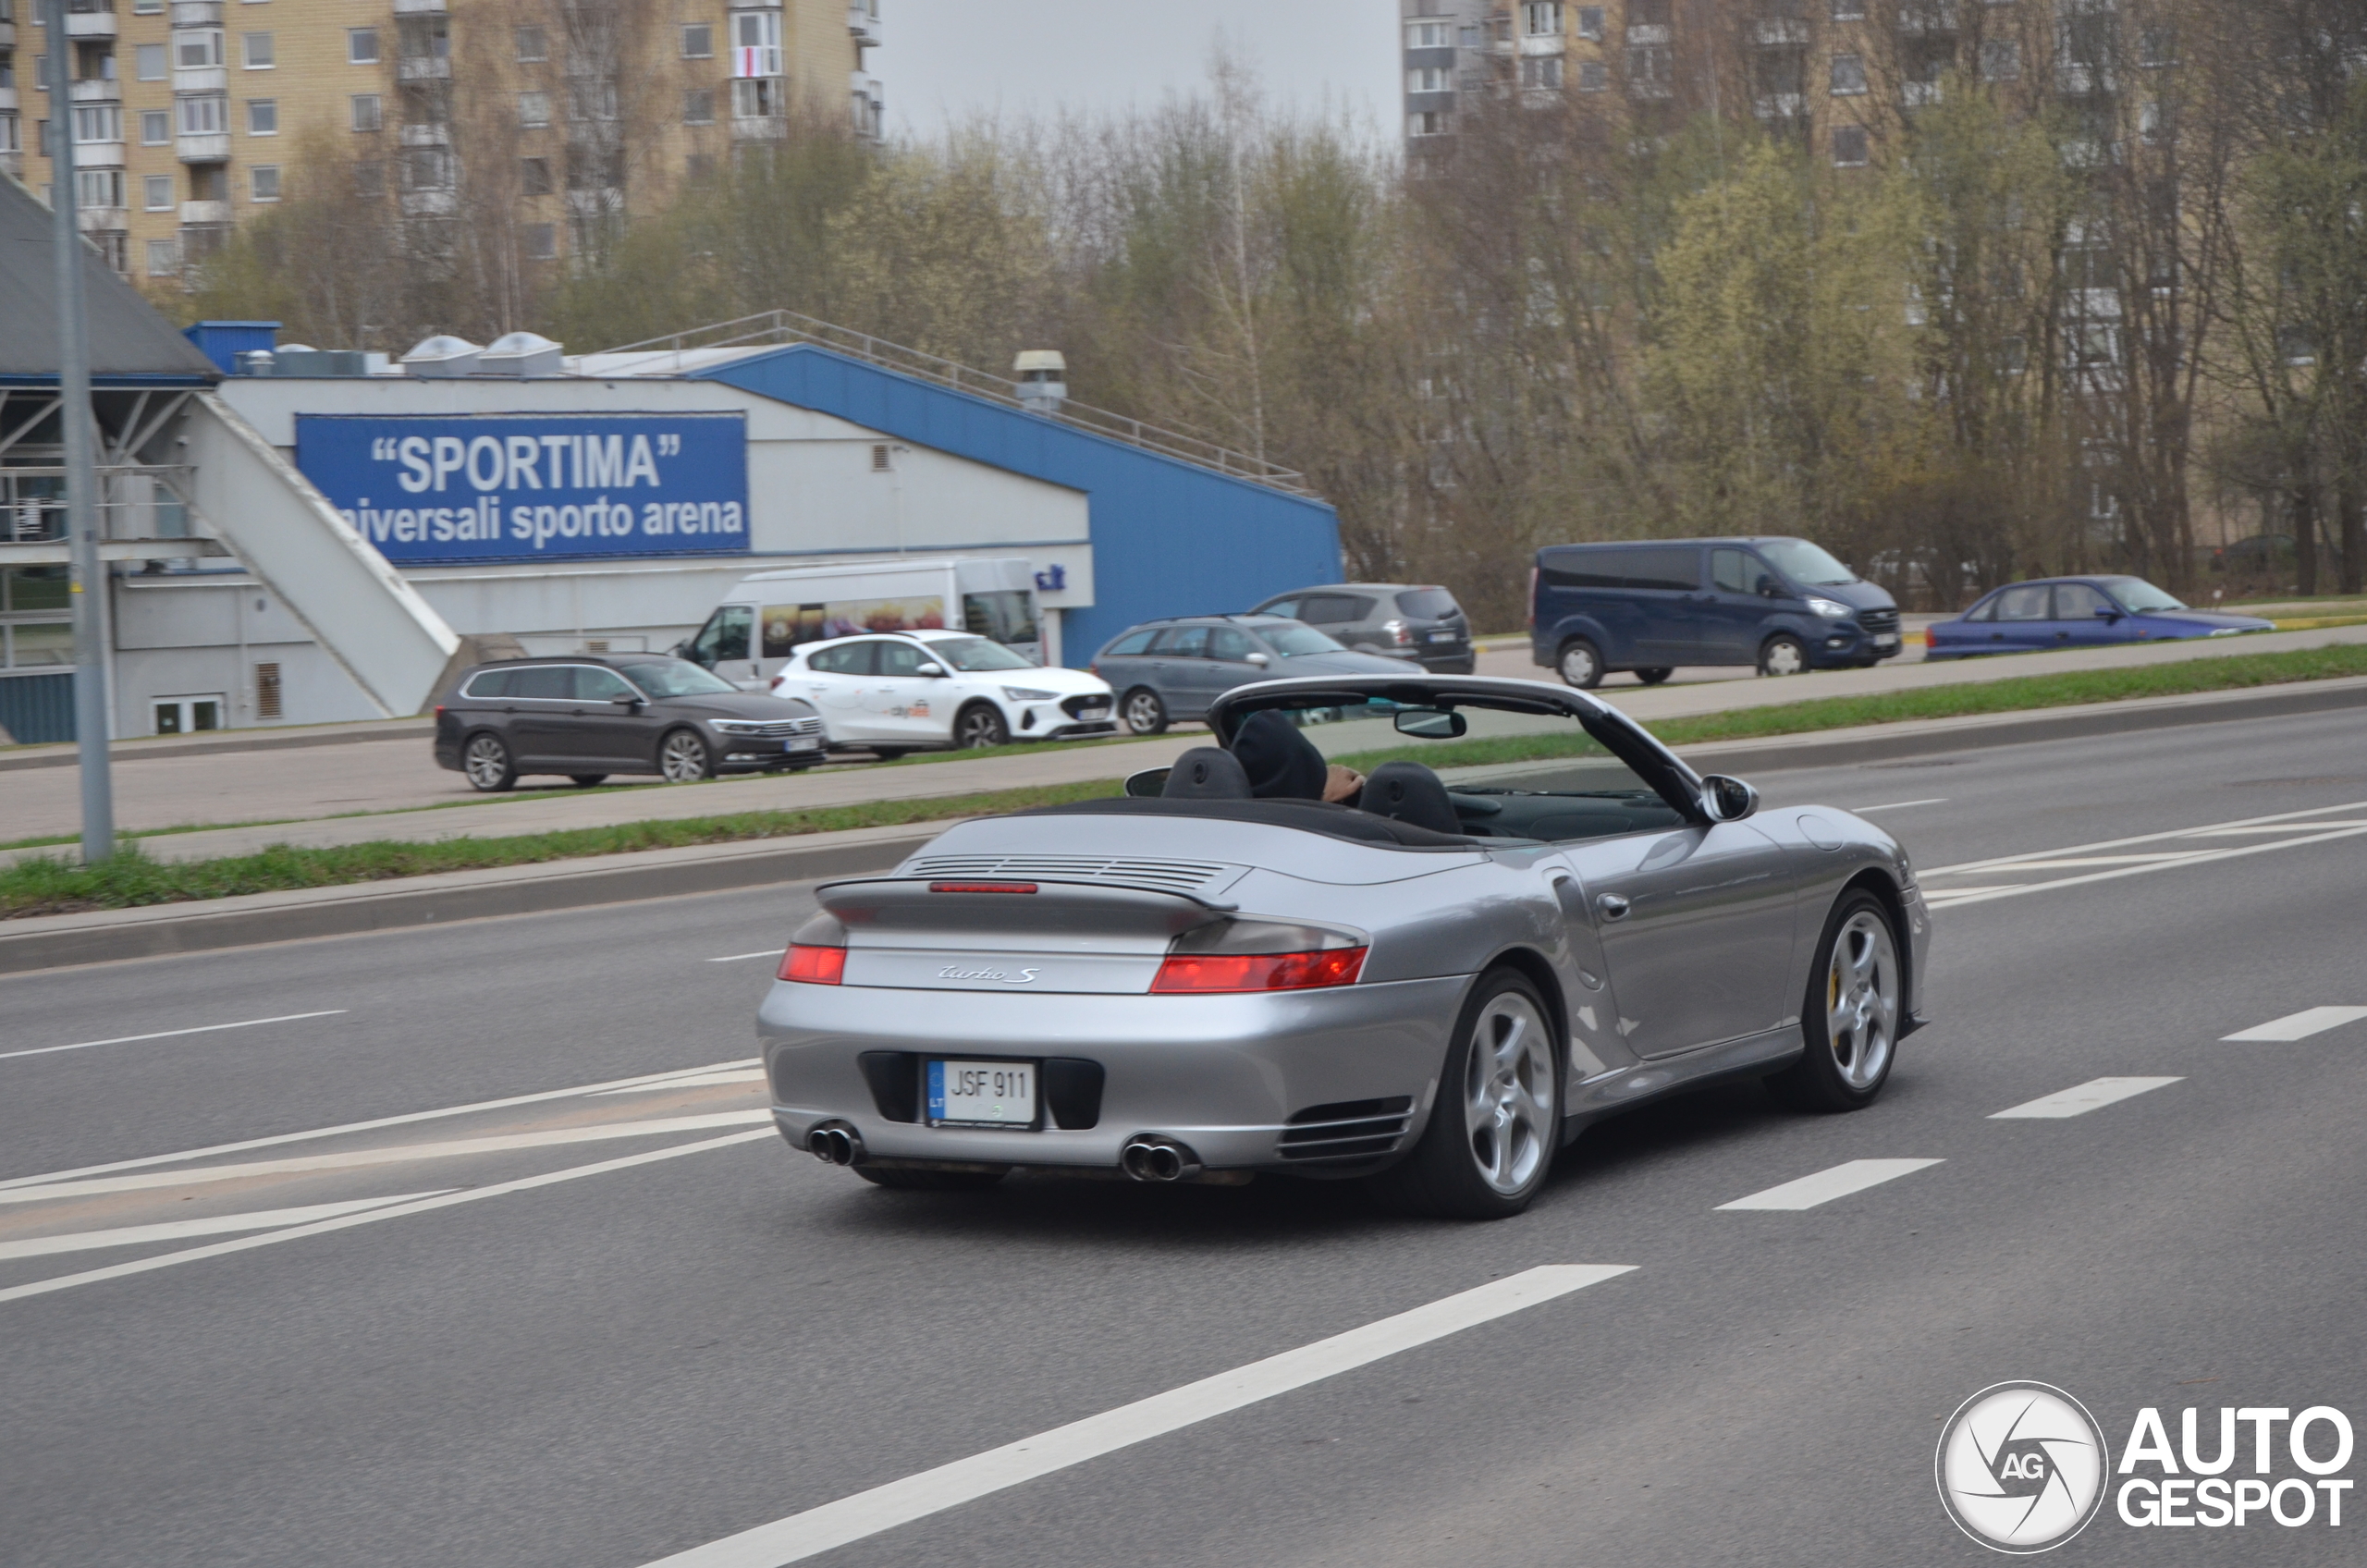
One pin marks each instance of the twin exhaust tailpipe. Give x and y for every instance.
(1149, 1157)
(835, 1142)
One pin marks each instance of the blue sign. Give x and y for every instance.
(515, 487)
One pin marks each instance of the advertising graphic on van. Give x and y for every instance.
(534, 487)
(786, 626)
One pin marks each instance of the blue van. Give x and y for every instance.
(1783, 604)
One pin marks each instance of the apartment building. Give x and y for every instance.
(187, 116)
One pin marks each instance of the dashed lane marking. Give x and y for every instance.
(2300, 1025)
(216, 1225)
(818, 1530)
(2080, 1099)
(173, 1034)
(704, 1080)
(735, 958)
(1855, 1176)
(1901, 805)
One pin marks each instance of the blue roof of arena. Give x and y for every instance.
(1169, 537)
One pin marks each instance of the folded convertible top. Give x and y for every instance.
(1308, 816)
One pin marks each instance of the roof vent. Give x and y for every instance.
(443, 356)
(1043, 380)
(523, 354)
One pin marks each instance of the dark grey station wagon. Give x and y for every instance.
(587, 715)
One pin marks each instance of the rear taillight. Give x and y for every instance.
(1258, 971)
(439, 710)
(1532, 598)
(815, 966)
(1929, 639)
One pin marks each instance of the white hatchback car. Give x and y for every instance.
(903, 692)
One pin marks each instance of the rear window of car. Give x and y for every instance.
(1431, 604)
(492, 683)
(1677, 568)
(1131, 642)
(2028, 602)
(1184, 642)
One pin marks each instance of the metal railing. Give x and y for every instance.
(788, 326)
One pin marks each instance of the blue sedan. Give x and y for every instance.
(2076, 612)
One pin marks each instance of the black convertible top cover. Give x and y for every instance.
(1308, 816)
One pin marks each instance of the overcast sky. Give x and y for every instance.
(945, 59)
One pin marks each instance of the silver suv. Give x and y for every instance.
(1396, 619)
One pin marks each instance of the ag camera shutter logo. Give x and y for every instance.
(2022, 1468)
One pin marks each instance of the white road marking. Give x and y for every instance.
(866, 1513)
(219, 1225)
(2300, 1025)
(1945, 899)
(1901, 805)
(407, 1119)
(2296, 819)
(2080, 1099)
(2216, 832)
(172, 1033)
(1838, 1182)
(398, 1154)
(753, 1075)
(446, 1200)
(735, 958)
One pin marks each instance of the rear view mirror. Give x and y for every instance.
(1150, 781)
(1430, 724)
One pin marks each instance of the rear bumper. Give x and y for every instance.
(1222, 1074)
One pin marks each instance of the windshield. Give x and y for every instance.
(1804, 563)
(974, 653)
(2137, 596)
(1291, 639)
(676, 678)
(1511, 774)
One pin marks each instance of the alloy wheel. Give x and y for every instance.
(683, 758)
(488, 762)
(1144, 713)
(1508, 1093)
(1861, 999)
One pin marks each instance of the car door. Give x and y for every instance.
(617, 735)
(724, 644)
(1695, 925)
(1734, 610)
(2080, 617)
(1179, 670)
(1664, 581)
(832, 679)
(901, 704)
(1228, 660)
(2025, 619)
(543, 733)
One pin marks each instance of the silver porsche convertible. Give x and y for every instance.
(1420, 930)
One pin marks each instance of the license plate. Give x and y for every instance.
(1887, 642)
(982, 1094)
(1442, 636)
(1092, 713)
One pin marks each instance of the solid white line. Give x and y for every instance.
(2277, 828)
(1901, 805)
(165, 1260)
(2293, 816)
(1969, 897)
(170, 1033)
(398, 1154)
(1825, 1185)
(405, 1119)
(2080, 1099)
(2300, 1025)
(735, 958)
(833, 1524)
(219, 1225)
(754, 1075)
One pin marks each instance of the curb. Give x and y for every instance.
(228, 741)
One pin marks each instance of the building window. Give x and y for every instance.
(531, 45)
(1593, 76)
(1427, 35)
(98, 187)
(1848, 75)
(534, 176)
(9, 142)
(591, 98)
(1427, 79)
(698, 105)
(155, 126)
(1541, 71)
(1541, 18)
(203, 116)
(196, 49)
(534, 110)
(1590, 22)
(426, 168)
(164, 258)
(758, 98)
(148, 60)
(98, 122)
(2001, 61)
(362, 45)
(1848, 10)
(1849, 146)
(263, 182)
(698, 42)
(370, 179)
(541, 241)
(157, 192)
(1648, 13)
(1426, 122)
(259, 56)
(263, 117)
(1651, 70)
(369, 111)
(147, 8)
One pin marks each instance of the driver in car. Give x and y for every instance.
(1283, 765)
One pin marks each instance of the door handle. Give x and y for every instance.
(1613, 907)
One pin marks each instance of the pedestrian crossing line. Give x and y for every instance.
(212, 1225)
(2299, 1025)
(1853, 1176)
(2080, 1099)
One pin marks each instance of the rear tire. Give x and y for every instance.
(978, 726)
(1497, 1117)
(1655, 675)
(1580, 664)
(486, 760)
(905, 1180)
(684, 756)
(1143, 713)
(1850, 1013)
(585, 780)
(1783, 655)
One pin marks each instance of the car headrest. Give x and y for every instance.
(1406, 791)
(1205, 773)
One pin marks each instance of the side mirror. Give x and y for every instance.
(1150, 781)
(928, 667)
(1769, 588)
(2106, 613)
(1430, 724)
(626, 700)
(1261, 660)
(1727, 800)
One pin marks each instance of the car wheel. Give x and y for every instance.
(980, 724)
(887, 754)
(1497, 1117)
(1783, 655)
(1143, 713)
(929, 1181)
(486, 760)
(585, 780)
(1581, 665)
(1655, 675)
(1850, 1014)
(683, 755)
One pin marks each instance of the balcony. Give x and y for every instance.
(1779, 106)
(90, 18)
(429, 203)
(212, 148)
(419, 7)
(101, 91)
(1920, 94)
(1542, 44)
(101, 220)
(197, 13)
(2076, 79)
(424, 67)
(1781, 32)
(1648, 32)
(202, 78)
(759, 127)
(7, 100)
(1926, 20)
(98, 154)
(427, 135)
(863, 22)
(205, 212)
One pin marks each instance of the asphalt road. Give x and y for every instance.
(599, 1367)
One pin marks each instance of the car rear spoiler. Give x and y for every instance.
(1014, 905)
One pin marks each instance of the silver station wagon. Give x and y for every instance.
(1517, 913)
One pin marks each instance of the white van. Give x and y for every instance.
(769, 615)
